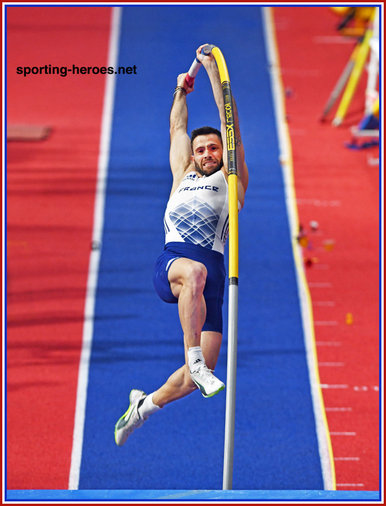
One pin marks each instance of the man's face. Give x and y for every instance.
(207, 154)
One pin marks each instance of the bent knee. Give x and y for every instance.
(196, 274)
(187, 274)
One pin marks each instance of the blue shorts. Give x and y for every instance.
(215, 281)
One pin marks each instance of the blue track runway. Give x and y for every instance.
(137, 339)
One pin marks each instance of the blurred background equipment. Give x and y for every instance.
(365, 21)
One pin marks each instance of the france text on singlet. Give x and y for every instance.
(197, 212)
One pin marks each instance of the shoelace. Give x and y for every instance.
(204, 369)
(207, 372)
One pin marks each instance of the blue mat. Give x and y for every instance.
(192, 495)
(137, 339)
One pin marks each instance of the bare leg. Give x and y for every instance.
(179, 383)
(187, 282)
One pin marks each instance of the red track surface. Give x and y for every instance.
(338, 188)
(48, 256)
(51, 186)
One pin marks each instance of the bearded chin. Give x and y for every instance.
(200, 171)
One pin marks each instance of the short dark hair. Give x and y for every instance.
(205, 130)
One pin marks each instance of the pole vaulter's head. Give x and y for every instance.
(207, 150)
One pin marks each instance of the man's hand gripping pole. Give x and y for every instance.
(195, 67)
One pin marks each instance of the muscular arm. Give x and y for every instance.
(242, 169)
(214, 77)
(180, 150)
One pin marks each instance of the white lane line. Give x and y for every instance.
(326, 386)
(350, 485)
(88, 326)
(331, 364)
(354, 459)
(342, 409)
(318, 203)
(344, 433)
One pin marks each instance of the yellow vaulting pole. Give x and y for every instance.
(233, 271)
(360, 60)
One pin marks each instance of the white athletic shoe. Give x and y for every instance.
(206, 381)
(130, 420)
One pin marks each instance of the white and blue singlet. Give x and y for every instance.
(196, 227)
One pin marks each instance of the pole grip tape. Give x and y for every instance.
(230, 129)
(195, 66)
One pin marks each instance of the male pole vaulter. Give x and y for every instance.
(190, 271)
